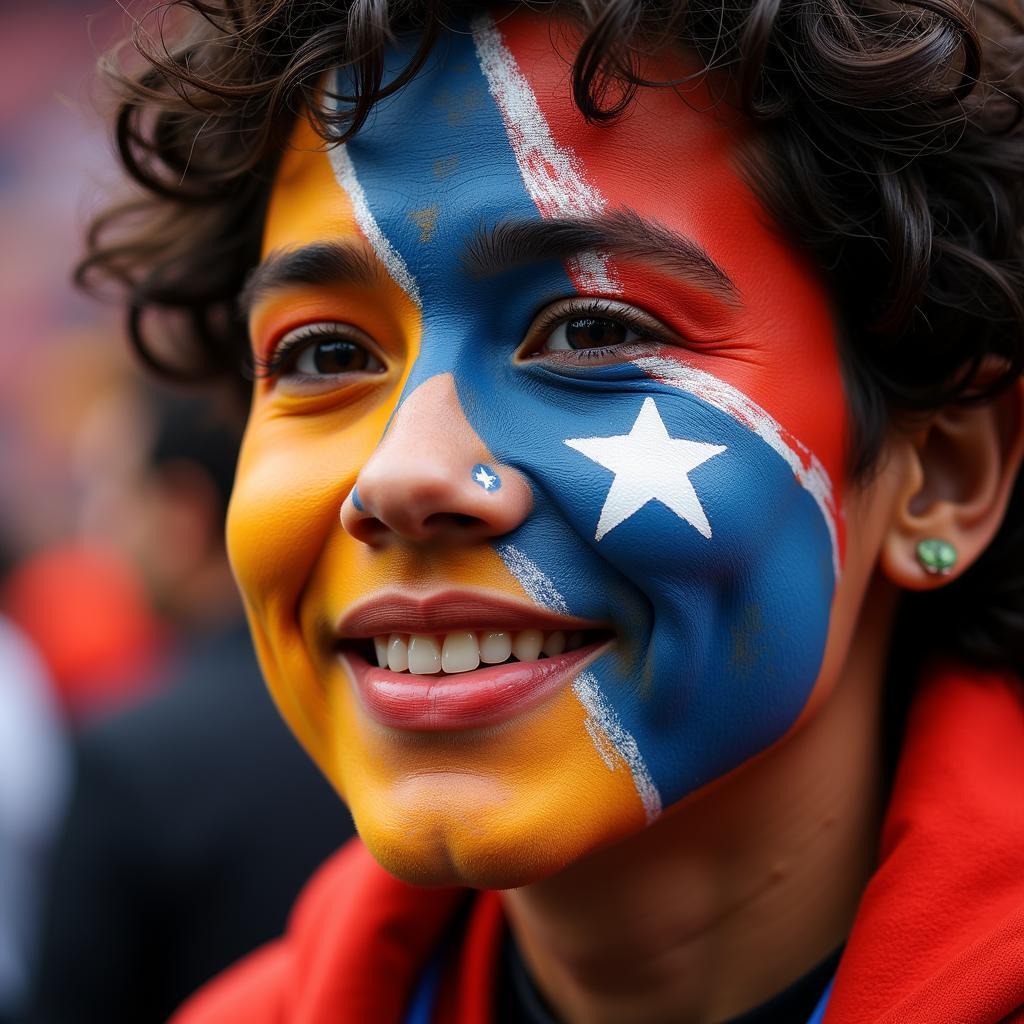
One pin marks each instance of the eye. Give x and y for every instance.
(335, 355)
(589, 332)
(322, 350)
(592, 329)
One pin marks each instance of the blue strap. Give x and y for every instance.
(819, 1010)
(421, 1007)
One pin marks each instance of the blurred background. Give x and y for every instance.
(65, 371)
(156, 819)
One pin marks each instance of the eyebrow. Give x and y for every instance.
(622, 233)
(491, 251)
(322, 263)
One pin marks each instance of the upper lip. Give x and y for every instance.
(445, 611)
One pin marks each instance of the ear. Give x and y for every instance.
(960, 473)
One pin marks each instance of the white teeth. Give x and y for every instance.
(527, 643)
(460, 653)
(554, 643)
(495, 647)
(463, 650)
(424, 655)
(398, 653)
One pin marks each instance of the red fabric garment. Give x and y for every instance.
(938, 939)
(939, 934)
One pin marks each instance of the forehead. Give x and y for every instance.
(489, 127)
(488, 131)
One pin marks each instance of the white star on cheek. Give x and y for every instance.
(648, 466)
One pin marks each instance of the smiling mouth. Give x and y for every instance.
(437, 700)
(464, 650)
(460, 659)
(453, 632)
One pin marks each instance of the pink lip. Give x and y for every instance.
(393, 612)
(466, 700)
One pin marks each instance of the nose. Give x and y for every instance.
(432, 479)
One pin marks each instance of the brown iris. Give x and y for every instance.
(594, 332)
(339, 356)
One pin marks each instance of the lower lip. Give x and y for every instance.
(465, 700)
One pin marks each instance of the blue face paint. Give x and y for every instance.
(485, 477)
(355, 500)
(655, 508)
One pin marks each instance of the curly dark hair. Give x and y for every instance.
(890, 148)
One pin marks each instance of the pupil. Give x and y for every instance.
(339, 357)
(592, 332)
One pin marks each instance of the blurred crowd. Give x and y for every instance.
(156, 818)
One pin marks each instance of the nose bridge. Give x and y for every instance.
(427, 428)
(431, 477)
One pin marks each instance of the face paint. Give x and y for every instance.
(486, 477)
(678, 484)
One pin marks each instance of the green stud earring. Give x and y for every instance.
(936, 557)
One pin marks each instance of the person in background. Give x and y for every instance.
(195, 817)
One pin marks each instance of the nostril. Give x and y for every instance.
(369, 530)
(442, 521)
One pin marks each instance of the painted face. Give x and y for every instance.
(570, 391)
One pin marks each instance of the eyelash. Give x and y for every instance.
(288, 350)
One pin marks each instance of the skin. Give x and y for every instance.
(769, 838)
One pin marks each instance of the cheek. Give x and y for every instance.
(293, 475)
(721, 624)
(276, 520)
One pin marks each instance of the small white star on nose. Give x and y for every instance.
(648, 466)
(488, 481)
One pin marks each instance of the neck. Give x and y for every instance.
(734, 894)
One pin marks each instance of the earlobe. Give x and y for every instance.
(958, 474)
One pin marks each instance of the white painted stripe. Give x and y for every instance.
(601, 743)
(345, 174)
(602, 719)
(806, 466)
(602, 724)
(533, 579)
(551, 173)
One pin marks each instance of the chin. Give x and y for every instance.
(473, 833)
(490, 808)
